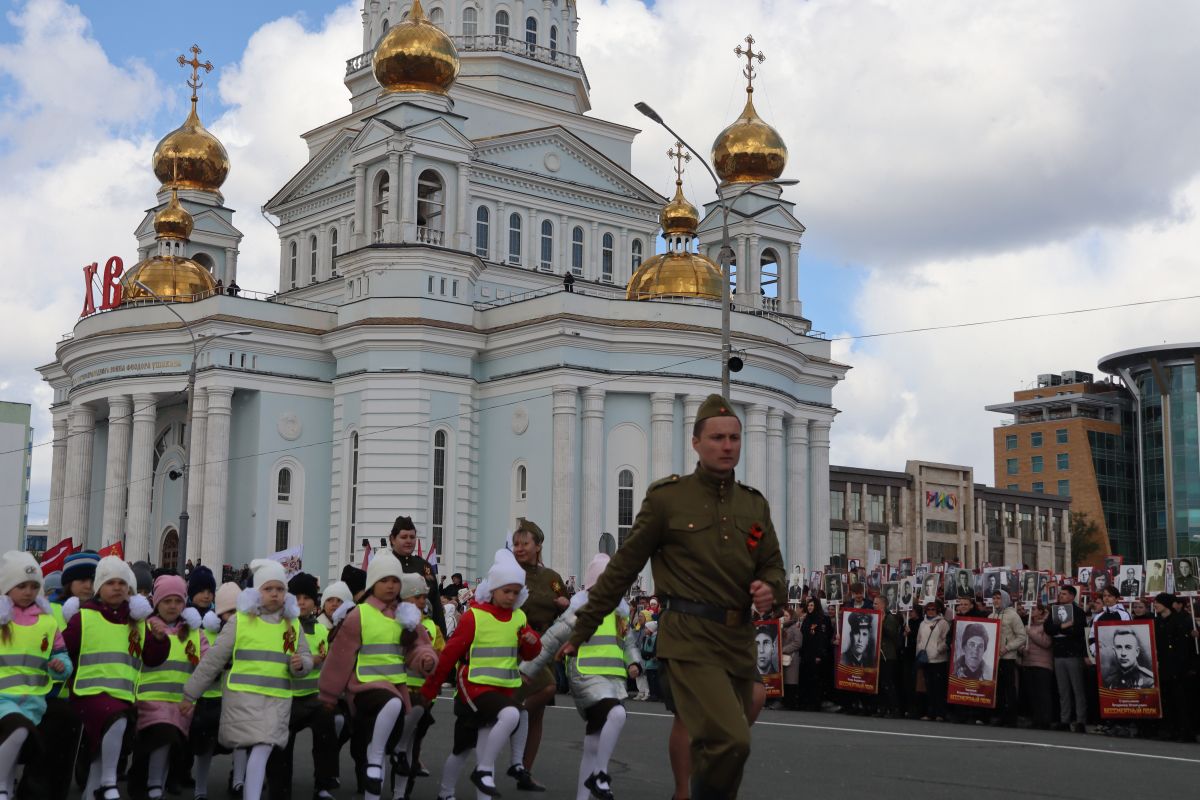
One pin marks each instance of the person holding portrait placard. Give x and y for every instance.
(1012, 639)
(858, 645)
(1125, 659)
(971, 663)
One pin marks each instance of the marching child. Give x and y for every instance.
(596, 675)
(206, 717)
(160, 725)
(485, 711)
(336, 595)
(263, 642)
(32, 652)
(414, 591)
(367, 664)
(106, 638)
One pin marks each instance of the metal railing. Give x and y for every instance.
(492, 43)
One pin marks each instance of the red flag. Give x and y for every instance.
(366, 554)
(419, 554)
(115, 549)
(55, 558)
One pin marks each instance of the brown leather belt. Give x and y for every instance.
(717, 614)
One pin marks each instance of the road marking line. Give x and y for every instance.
(959, 739)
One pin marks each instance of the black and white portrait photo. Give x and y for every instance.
(766, 649)
(854, 564)
(906, 593)
(1186, 581)
(966, 583)
(859, 635)
(906, 567)
(951, 582)
(1062, 612)
(929, 587)
(1100, 579)
(1126, 659)
(1156, 576)
(974, 650)
(992, 582)
(1029, 587)
(833, 587)
(1130, 583)
(1084, 576)
(796, 584)
(920, 572)
(891, 596)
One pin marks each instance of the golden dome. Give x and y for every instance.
(190, 157)
(679, 217)
(173, 222)
(675, 274)
(172, 278)
(416, 56)
(749, 150)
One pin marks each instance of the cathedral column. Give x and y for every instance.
(399, 196)
(593, 271)
(742, 286)
(753, 271)
(775, 467)
(116, 469)
(564, 244)
(691, 407)
(819, 541)
(78, 487)
(563, 553)
(406, 200)
(535, 251)
(500, 254)
(592, 487)
(231, 254)
(792, 276)
(359, 238)
(58, 475)
(544, 33)
(797, 536)
(196, 468)
(216, 475)
(141, 476)
(662, 419)
(622, 259)
(756, 442)
(462, 229)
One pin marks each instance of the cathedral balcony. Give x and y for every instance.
(430, 236)
(493, 44)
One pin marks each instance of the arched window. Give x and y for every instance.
(636, 260)
(606, 258)
(437, 16)
(547, 245)
(624, 505)
(482, 231)
(439, 488)
(431, 205)
(382, 31)
(577, 250)
(283, 486)
(514, 238)
(333, 234)
(553, 41)
(312, 259)
(382, 198)
(768, 277)
(522, 483)
(292, 264)
(531, 34)
(470, 25)
(501, 26)
(204, 260)
(353, 490)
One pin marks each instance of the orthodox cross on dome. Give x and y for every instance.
(750, 57)
(196, 65)
(680, 156)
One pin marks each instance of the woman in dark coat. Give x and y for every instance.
(816, 651)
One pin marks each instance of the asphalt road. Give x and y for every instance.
(832, 755)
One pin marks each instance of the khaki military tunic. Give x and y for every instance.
(544, 586)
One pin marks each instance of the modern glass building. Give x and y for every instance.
(1166, 409)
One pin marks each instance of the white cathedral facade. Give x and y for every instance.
(421, 354)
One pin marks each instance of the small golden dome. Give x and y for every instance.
(679, 217)
(416, 56)
(675, 274)
(749, 150)
(172, 278)
(173, 222)
(190, 157)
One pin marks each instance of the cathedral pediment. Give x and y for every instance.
(207, 221)
(329, 167)
(557, 154)
(775, 215)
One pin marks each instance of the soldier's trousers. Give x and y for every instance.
(713, 706)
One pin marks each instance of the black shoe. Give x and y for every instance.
(400, 764)
(373, 785)
(593, 785)
(421, 771)
(103, 793)
(525, 781)
(477, 778)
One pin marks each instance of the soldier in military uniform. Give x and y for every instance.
(715, 555)
(1126, 672)
(403, 541)
(859, 648)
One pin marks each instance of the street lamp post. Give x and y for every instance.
(726, 254)
(197, 347)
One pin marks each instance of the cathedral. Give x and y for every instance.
(481, 314)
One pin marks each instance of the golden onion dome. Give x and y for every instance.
(679, 217)
(172, 278)
(173, 222)
(749, 150)
(675, 274)
(416, 56)
(190, 157)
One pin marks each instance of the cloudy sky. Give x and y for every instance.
(958, 162)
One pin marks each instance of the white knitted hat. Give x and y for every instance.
(17, 567)
(226, 598)
(595, 569)
(113, 568)
(266, 570)
(383, 565)
(340, 590)
(412, 585)
(504, 571)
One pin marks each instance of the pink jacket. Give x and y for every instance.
(1037, 649)
(161, 712)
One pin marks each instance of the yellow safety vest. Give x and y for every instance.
(318, 645)
(380, 657)
(105, 664)
(23, 660)
(56, 610)
(493, 654)
(165, 682)
(260, 663)
(414, 677)
(602, 654)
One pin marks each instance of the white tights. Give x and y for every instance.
(487, 746)
(598, 749)
(385, 723)
(156, 772)
(256, 771)
(406, 744)
(10, 751)
(103, 772)
(201, 765)
(519, 738)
